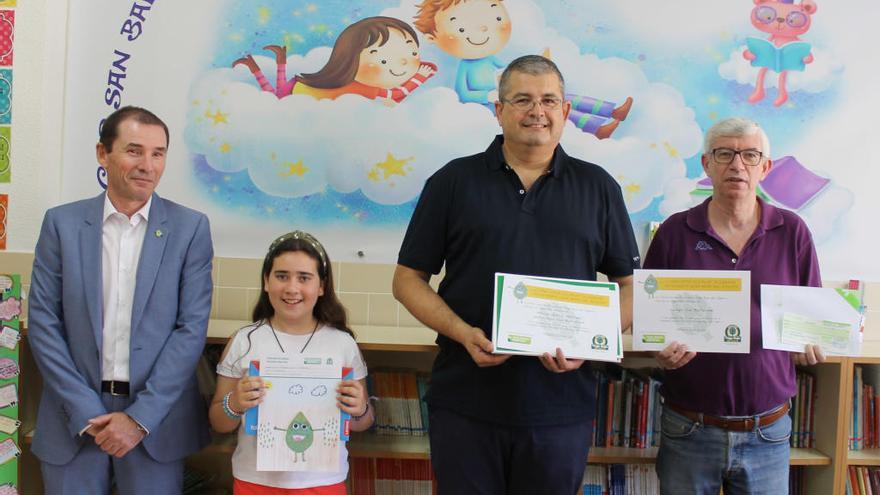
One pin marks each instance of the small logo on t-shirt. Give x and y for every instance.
(702, 246)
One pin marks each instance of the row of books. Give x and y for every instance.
(802, 409)
(621, 479)
(400, 409)
(863, 480)
(391, 477)
(627, 408)
(865, 423)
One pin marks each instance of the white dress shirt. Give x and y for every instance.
(122, 239)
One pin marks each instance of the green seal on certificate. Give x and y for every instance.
(600, 342)
(732, 333)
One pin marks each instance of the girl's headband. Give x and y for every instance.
(303, 236)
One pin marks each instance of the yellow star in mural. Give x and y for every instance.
(633, 188)
(393, 166)
(373, 175)
(225, 148)
(670, 150)
(297, 169)
(220, 117)
(263, 14)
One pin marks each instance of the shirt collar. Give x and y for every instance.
(144, 212)
(698, 216)
(495, 157)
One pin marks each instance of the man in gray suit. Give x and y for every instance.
(119, 305)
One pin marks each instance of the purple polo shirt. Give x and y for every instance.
(780, 252)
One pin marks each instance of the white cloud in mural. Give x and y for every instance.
(823, 213)
(677, 196)
(632, 19)
(818, 76)
(299, 146)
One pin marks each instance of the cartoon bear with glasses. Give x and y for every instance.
(783, 51)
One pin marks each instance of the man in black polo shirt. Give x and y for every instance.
(502, 424)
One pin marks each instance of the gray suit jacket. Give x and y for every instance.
(172, 302)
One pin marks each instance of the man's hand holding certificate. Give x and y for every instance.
(537, 315)
(707, 310)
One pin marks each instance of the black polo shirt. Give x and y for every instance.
(475, 216)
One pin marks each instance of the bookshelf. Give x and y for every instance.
(825, 467)
(870, 358)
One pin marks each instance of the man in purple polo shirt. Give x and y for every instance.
(725, 420)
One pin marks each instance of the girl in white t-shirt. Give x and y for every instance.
(297, 312)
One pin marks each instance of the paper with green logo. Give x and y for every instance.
(792, 317)
(708, 310)
(534, 315)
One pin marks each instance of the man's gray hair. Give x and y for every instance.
(735, 127)
(534, 65)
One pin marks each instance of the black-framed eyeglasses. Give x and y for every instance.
(524, 104)
(725, 156)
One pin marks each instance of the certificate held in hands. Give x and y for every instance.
(792, 317)
(708, 310)
(534, 315)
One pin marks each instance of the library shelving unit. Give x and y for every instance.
(413, 347)
(866, 457)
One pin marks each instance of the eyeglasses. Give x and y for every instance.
(725, 156)
(767, 15)
(523, 104)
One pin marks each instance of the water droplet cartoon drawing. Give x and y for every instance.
(299, 436)
(651, 286)
(520, 291)
(783, 51)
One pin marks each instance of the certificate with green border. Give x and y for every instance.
(534, 315)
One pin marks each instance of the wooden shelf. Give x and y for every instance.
(808, 457)
(622, 455)
(388, 446)
(866, 457)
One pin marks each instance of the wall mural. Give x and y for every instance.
(329, 116)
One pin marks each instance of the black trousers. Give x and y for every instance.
(470, 456)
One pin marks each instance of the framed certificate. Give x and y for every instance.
(534, 315)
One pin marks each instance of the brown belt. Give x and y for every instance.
(735, 424)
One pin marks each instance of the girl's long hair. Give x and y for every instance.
(342, 65)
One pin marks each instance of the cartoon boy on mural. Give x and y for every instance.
(783, 50)
(376, 57)
(474, 31)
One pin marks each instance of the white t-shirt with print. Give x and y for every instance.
(251, 343)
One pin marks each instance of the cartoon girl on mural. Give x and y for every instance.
(376, 57)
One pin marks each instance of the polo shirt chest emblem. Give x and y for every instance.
(702, 246)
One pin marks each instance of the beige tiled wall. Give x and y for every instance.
(364, 289)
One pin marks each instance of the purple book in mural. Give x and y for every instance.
(788, 184)
(791, 184)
